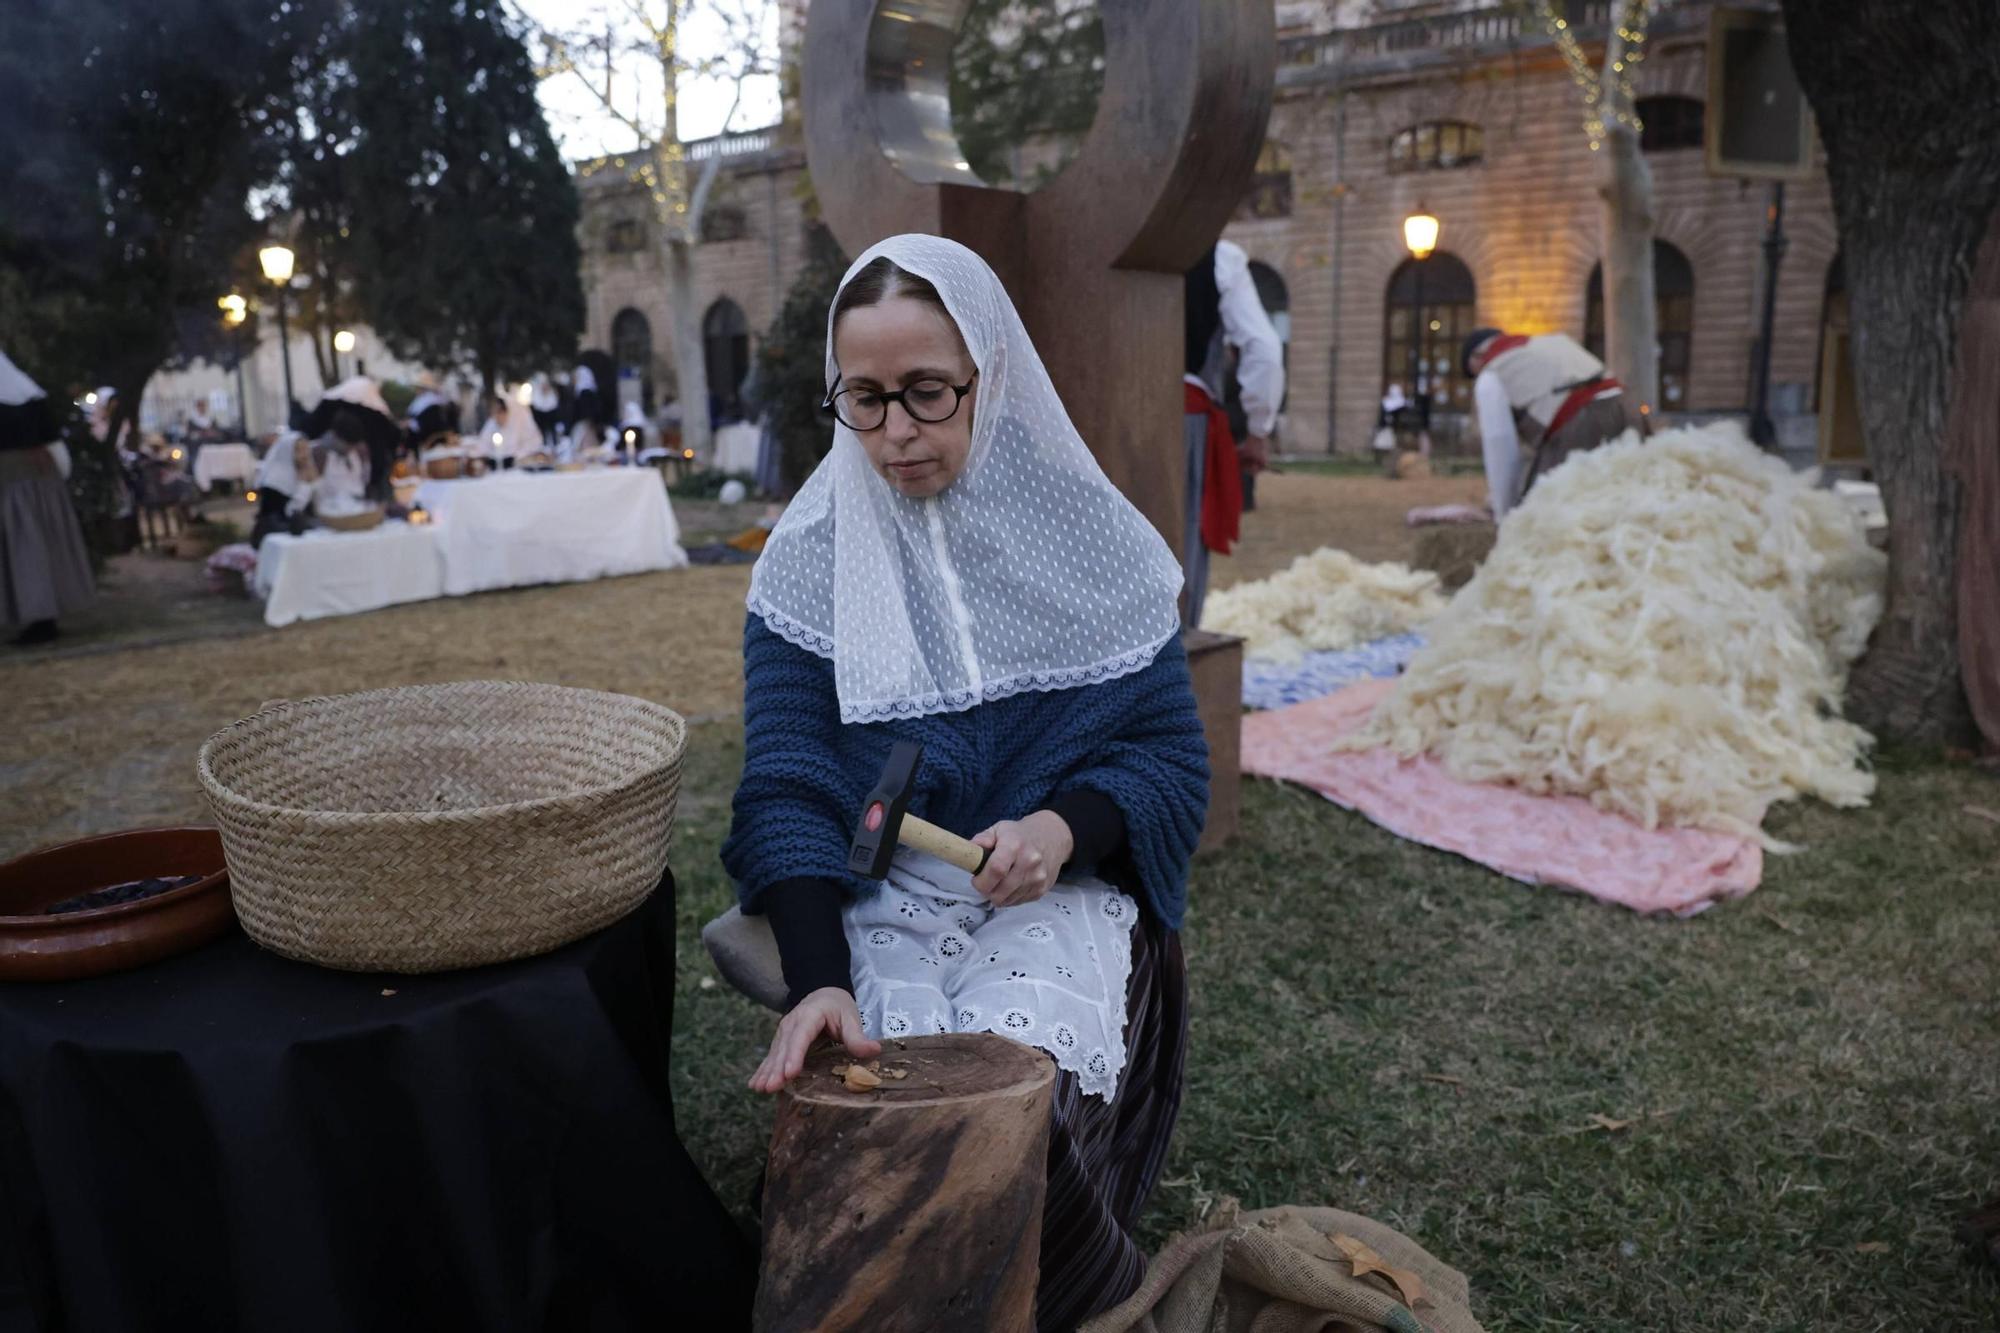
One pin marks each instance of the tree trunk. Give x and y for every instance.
(690, 359)
(1904, 99)
(915, 1206)
(1631, 315)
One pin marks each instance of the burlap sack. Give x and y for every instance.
(1279, 1270)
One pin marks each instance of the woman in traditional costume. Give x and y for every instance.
(959, 572)
(286, 476)
(44, 567)
(355, 438)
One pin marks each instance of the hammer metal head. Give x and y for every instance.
(882, 814)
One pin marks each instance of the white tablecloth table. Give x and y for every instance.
(736, 449)
(327, 573)
(224, 462)
(511, 529)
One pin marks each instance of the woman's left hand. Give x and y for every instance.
(1027, 855)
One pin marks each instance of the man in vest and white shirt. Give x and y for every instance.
(1223, 311)
(1545, 393)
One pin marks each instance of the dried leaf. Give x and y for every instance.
(1365, 1261)
(707, 983)
(1607, 1124)
(1872, 1247)
(862, 1080)
(1981, 812)
(387, 993)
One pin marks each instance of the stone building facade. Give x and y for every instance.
(1381, 107)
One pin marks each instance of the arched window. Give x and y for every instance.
(631, 340)
(1436, 145)
(1428, 312)
(1271, 188)
(725, 342)
(1673, 307)
(625, 236)
(1667, 123)
(724, 222)
(1277, 301)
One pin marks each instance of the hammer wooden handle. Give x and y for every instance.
(942, 843)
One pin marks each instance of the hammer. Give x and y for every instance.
(886, 820)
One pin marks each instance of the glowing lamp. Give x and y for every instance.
(1420, 233)
(251, 496)
(525, 394)
(276, 261)
(343, 341)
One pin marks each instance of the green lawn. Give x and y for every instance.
(1390, 1030)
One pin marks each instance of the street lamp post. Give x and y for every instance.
(234, 311)
(277, 264)
(1420, 235)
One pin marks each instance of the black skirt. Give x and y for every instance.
(1106, 1156)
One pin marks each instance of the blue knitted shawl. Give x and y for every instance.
(1136, 739)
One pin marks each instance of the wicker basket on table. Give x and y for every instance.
(442, 826)
(361, 520)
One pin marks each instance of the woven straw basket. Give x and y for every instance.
(442, 826)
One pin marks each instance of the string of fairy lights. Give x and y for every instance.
(1602, 107)
(660, 167)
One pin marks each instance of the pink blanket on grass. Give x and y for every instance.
(1559, 840)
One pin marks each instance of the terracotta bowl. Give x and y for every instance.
(35, 946)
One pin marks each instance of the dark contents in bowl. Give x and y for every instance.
(129, 892)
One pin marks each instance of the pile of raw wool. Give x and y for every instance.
(1324, 602)
(1664, 627)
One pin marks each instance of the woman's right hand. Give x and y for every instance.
(828, 1011)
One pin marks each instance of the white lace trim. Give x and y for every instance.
(957, 701)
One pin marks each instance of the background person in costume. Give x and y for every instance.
(44, 567)
(1544, 392)
(959, 571)
(1223, 311)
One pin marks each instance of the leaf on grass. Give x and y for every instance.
(1981, 812)
(1365, 1261)
(1872, 1247)
(1604, 1122)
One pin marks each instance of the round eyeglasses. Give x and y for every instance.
(929, 401)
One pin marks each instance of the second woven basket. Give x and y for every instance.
(443, 826)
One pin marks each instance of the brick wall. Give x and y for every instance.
(1524, 220)
(753, 271)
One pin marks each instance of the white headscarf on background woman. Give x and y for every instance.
(17, 390)
(520, 434)
(1030, 571)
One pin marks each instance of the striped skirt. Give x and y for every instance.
(1105, 1157)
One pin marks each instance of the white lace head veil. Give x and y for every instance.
(1029, 572)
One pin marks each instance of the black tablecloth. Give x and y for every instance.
(228, 1140)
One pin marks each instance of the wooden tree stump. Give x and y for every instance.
(917, 1205)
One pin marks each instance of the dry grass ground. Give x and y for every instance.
(107, 739)
(1800, 1087)
(1299, 512)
